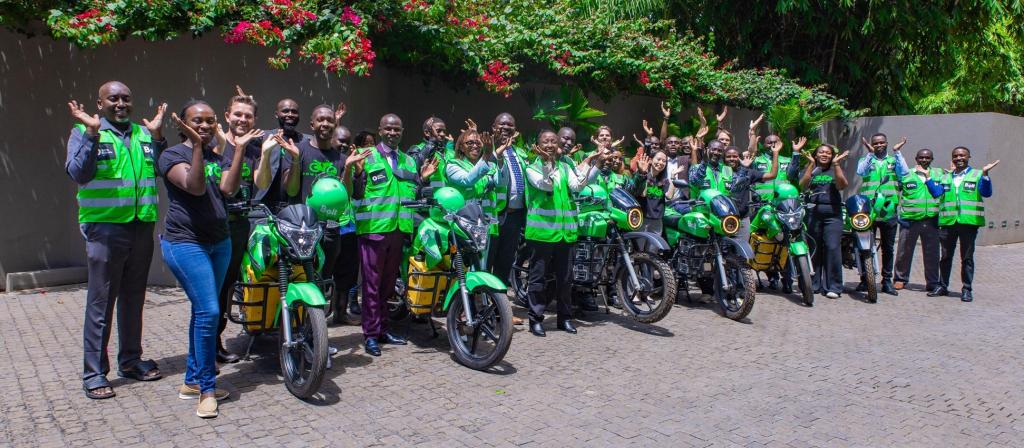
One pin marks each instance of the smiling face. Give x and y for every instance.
(115, 102)
(471, 146)
(201, 118)
(879, 144)
(961, 157)
(724, 137)
(732, 158)
(342, 139)
(322, 124)
(659, 162)
(504, 125)
(390, 130)
(241, 118)
(715, 149)
(547, 141)
(924, 158)
(654, 143)
(566, 138)
(673, 145)
(287, 113)
(604, 135)
(823, 155)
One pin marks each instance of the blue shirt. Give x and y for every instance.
(984, 187)
(865, 164)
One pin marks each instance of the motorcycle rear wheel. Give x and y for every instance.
(658, 282)
(303, 364)
(738, 304)
(485, 345)
(803, 267)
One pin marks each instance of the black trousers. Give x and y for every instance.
(948, 237)
(119, 256)
(239, 228)
(502, 252)
(928, 231)
(827, 231)
(887, 230)
(341, 262)
(550, 258)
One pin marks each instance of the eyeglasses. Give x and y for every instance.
(472, 143)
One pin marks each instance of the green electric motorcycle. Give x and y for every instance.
(858, 243)
(703, 231)
(778, 238)
(445, 277)
(280, 288)
(611, 257)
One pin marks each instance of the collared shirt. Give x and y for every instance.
(516, 186)
(81, 159)
(866, 163)
(984, 186)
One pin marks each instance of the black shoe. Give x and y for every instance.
(226, 357)
(587, 303)
(773, 284)
(888, 289)
(862, 286)
(353, 306)
(567, 327)
(389, 338)
(372, 347)
(537, 329)
(787, 288)
(613, 302)
(966, 296)
(939, 291)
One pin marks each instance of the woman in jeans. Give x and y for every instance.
(196, 245)
(825, 180)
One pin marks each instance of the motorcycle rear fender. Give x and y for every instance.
(308, 293)
(653, 239)
(476, 280)
(797, 248)
(742, 247)
(865, 240)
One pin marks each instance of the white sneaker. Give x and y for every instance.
(831, 295)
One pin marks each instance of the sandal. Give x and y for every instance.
(99, 393)
(145, 370)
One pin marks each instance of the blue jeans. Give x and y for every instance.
(200, 269)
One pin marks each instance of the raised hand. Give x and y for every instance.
(703, 121)
(666, 111)
(221, 138)
(721, 116)
(867, 145)
(899, 145)
(470, 125)
(702, 132)
(238, 89)
(428, 168)
(798, 144)
(357, 160)
(952, 166)
(637, 140)
(157, 122)
(339, 111)
(618, 143)
(506, 145)
(756, 122)
(288, 146)
(647, 129)
(986, 168)
(920, 170)
(243, 140)
(777, 146)
(642, 162)
(576, 148)
(191, 134)
(809, 156)
(748, 158)
(840, 157)
(91, 122)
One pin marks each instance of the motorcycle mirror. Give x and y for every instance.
(680, 183)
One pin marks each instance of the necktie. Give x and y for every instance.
(517, 172)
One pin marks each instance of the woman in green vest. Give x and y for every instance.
(473, 174)
(551, 228)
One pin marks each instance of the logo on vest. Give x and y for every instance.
(105, 151)
(147, 150)
(970, 185)
(378, 177)
(911, 185)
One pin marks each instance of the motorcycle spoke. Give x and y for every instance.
(489, 332)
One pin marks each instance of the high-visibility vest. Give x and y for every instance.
(882, 177)
(437, 179)
(916, 202)
(124, 188)
(501, 192)
(611, 181)
(380, 210)
(719, 181)
(479, 191)
(763, 163)
(964, 204)
(551, 215)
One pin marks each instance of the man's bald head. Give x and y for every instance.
(504, 125)
(115, 102)
(390, 130)
(287, 113)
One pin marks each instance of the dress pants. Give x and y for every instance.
(380, 257)
(502, 252)
(887, 231)
(239, 228)
(948, 237)
(119, 256)
(826, 229)
(550, 258)
(928, 231)
(339, 253)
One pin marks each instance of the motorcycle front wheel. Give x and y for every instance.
(303, 364)
(867, 260)
(657, 293)
(803, 268)
(484, 345)
(738, 303)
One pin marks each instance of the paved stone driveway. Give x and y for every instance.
(908, 371)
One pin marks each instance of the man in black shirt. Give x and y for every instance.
(271, 172)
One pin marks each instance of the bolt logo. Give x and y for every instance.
(246, 171)
(821, 179)
(328, 212)
(654, 191)
(213, 170)
(321, 166)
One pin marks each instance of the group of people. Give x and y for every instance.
(528, 191)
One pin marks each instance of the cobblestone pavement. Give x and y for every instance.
(908, 371)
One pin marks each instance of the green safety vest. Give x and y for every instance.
(380, 210)
(124, 188)
(501, 191)
(479, 191)
(719, 181)
(437, 179)
(551, 215)
(962, 205)
(916, 203)
(881, 177)
(611, 181)
(763, 163)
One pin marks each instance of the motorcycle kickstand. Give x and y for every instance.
(604, 298)
(433, 329)
(248, 349)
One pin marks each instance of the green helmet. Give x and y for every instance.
(449, 199)
(328, 199)
(595, 191)
(786, 191)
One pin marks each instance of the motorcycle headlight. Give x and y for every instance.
(478, 231)
(792, 220)
(730, 225)
(302, 239)
(860, 221)
(635, 218)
